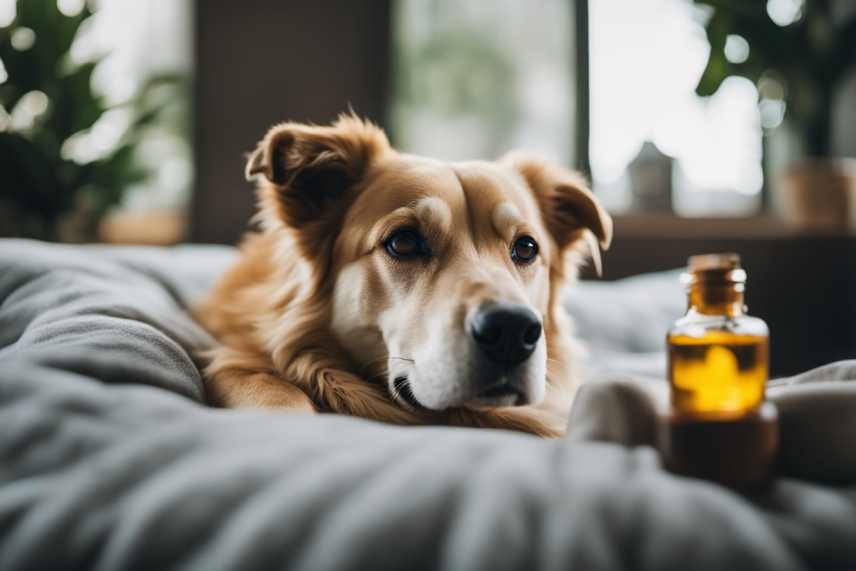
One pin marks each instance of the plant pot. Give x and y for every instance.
(819, 193)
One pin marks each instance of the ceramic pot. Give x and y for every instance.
(819, 193)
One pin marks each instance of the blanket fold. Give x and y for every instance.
(110, 460)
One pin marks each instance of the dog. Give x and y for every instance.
(400, 288)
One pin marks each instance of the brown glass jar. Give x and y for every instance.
(719, 426)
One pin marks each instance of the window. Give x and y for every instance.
(478, 78)
(645, 61)
(475, 79)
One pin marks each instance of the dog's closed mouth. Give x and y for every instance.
(499, 395)
(499, 391)
(402, 389)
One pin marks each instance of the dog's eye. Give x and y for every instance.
(406, 244)
(524, 250)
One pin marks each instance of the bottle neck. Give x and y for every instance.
(717, 299)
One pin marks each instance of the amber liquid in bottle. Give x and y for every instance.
(718, 355)
(719, 427)
(718, 374)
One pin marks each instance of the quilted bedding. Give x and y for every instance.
(109, 458)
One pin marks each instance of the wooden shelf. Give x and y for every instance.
(755, 227)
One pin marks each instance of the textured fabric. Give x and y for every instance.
(817, 419)
(108, 459)
(623, 324)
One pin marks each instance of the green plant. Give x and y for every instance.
(808, 57)
(45, 100)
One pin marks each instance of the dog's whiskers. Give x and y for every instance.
(402, 392)
(377, 372)
(395, 391)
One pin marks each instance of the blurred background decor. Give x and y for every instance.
(462, 85)
(651, 180)
(68, 154)
(798, 54)
(129, 121)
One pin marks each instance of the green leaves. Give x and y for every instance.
(75, 106)
(770, 47)
(35, 179)
(26, 181)
(37, 68)
(811, 68)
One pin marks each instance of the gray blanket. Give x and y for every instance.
(110, 460)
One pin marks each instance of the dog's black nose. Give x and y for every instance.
(507, 333)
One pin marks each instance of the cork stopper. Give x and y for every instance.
(715, 283)
(713, 262)
(714, 268)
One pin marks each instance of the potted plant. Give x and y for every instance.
(47, 104)
(797, 55)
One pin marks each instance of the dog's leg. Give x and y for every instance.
(235, 379)
(346, 393)
(239, 389)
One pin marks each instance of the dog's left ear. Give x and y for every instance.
(306, 168)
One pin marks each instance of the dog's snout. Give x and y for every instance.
(506, 333)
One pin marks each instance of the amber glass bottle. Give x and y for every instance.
(719, 426)
(717, 354)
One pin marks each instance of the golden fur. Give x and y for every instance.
(272, 311)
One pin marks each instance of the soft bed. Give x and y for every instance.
(110, 458)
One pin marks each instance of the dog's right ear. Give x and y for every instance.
(571, 212)
(307, 168)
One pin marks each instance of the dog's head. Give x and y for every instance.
(445, 274)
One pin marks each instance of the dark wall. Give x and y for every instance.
(261, 62)
(804, 287)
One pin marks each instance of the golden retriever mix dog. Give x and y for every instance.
(401, 288)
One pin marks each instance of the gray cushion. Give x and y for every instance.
(109, 460)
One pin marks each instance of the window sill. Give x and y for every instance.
(645, 225)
